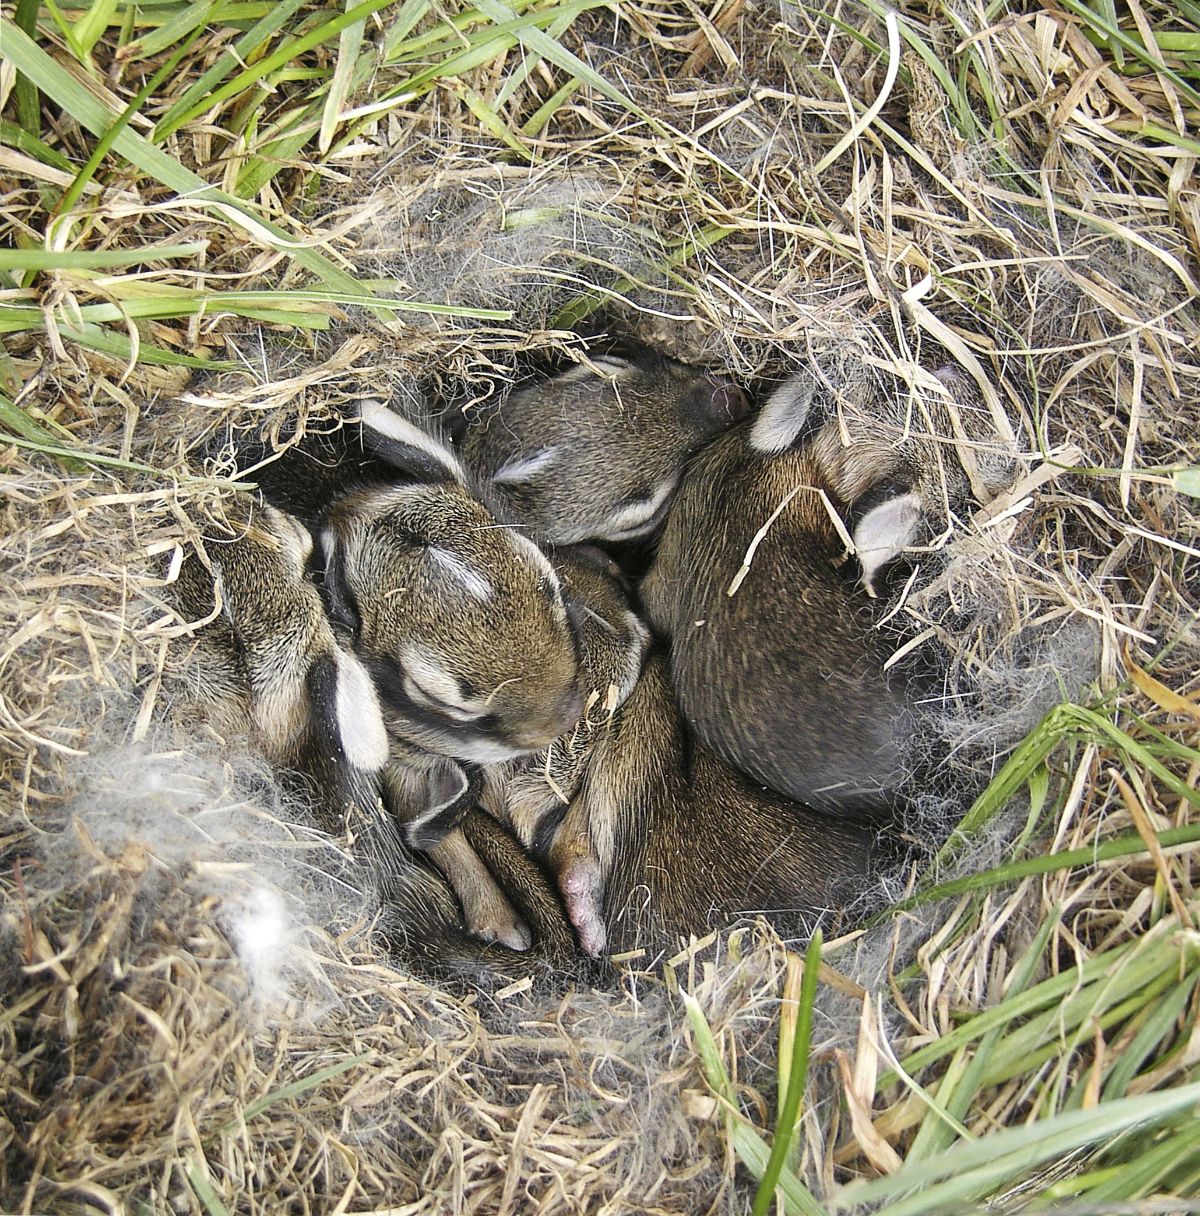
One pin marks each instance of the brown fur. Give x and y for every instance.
(683, 843)
(783, 674)
(596, 453)
(785, 677)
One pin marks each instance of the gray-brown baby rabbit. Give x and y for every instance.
(661, 837)
(266, 665)
(779, 668)
(676, 841)
(595, 454)
(266, 661)
(532, 795)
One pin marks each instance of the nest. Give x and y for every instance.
(196, 1013)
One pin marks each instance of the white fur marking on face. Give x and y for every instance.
(612, 365)
(383, 421)
(359, 718)
(631, 521)
(782, 418)
(521, 468)
(883, 532)
(474, 581)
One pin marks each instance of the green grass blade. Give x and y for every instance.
(1151, 1167)
(76, 458)
(189, 19)
(57, 83)
(967, 1172)
(98, 259)
(1131, 845)
(117, 343)
(295, 1088)
(253, 76)
(935, 1135)
(536, 123)
(1139, 962)
(18, 137)
(493, 123)
(797, 1078)
(29, 105)
(1156, 1029)
(406, 21)
(112, 134)
(18, 422)
(198, 1178)
(89, 29)
(749, 1146)
(243, 49)
(349, 45)
(1115, 39)
(538, 41)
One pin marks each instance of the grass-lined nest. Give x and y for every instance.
(236, 216)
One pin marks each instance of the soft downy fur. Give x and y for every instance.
(774, 651)
(595, 453)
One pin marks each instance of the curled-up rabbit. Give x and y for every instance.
(677, 842)
(596, 453)
(774, 652)
(647, 833)
(267, 662)
(464, 628)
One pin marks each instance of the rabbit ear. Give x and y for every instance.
(337, 595)
(442, 795)
(884, 532)
(784, 416)
(405, 446)
(358, 716)
(346, 707)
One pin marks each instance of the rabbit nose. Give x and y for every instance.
(541, 731)
(572, 711)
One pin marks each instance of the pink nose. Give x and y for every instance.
(541, 730)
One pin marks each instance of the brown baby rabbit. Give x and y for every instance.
(595, 454)
(532, 795)
(266, 661)
(266, 665)
(676, 841)
(464, 628)
(661, 837)
(774, 653)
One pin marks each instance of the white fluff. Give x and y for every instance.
(262, 933)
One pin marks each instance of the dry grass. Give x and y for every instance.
(1013, 194)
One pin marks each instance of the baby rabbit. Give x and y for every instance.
(532, 795)
(774, 654)
(676, 841)
(660, 836)
(595, 454)
(266, 660)
(464, 628)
